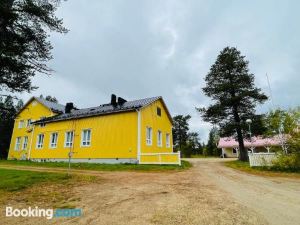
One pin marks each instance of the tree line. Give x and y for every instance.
(9, 107)
(274, 123)
(189, 143)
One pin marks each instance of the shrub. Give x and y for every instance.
(289, 162)
(187, 151)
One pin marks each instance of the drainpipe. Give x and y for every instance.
(32, 133)
(138, 135)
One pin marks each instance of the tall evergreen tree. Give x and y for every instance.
(258, 126)
(24, 48)
(180, 131)
(211, 147)
(231, 87)
(7, 113)
(19, 105)
(194, 143)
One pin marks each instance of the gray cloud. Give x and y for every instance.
(139, 49)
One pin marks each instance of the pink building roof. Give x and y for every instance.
(230, 142)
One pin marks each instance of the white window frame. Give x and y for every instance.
(159, 138)
(168, 140)
(21, 124)
(18, 143)
(87, 142)
(69, 144)
(53, 145)
(25, 143)
(40, 141)
(149, 139)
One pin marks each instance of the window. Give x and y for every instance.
(29, 123)
(168, 140)
(25, 143)
(40, 141)
(86, 137)
(21, 123)
(234, 151)
(69, 139)
(53, 140)
(158, 111)
(18, 143)
(149, 136)
(159, 138)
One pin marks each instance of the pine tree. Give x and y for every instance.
(211, 146)
(7, 114)
(231, 87)
(180, 131)
(24, 48)
(194, 143)
(19, 105)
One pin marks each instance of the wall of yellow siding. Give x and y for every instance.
(229, 153)
(112, 136)
(171, 158)
(34, 111)
(149, 118)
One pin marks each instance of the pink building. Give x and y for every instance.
(230, 146)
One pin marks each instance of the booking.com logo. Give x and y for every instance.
(39, 212)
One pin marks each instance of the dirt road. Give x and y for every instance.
(276, 199)
(208, 193)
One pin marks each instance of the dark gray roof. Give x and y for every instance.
(101, 110)
(55, 107)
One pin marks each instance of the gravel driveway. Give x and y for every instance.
(208, 193)
(276, 199)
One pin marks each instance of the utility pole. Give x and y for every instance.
(71, 150)
(270, 90)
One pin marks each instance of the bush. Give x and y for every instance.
(290, 162)
(187, 151)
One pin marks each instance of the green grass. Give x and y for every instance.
(100, 167)
(14, 180)
(269, 171)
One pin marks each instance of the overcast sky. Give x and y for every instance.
(139, 49)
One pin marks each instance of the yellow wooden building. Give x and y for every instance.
(121, 131)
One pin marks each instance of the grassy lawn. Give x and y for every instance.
(41, 188)
(100, 167)
(14, 180)
(265, 171)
